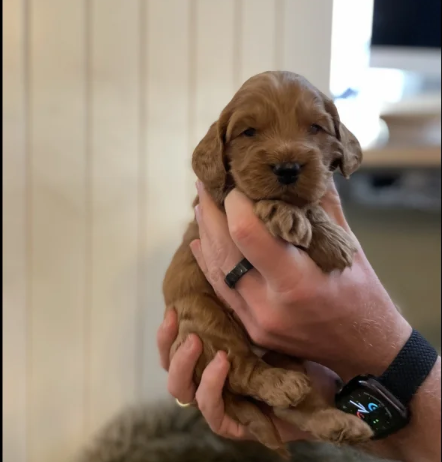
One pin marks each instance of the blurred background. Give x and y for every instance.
(104, 101)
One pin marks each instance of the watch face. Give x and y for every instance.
(375, 406)
(368, 408)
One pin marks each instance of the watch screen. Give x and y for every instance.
(366, 398)
(368, 408)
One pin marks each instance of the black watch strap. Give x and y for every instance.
(410, 368)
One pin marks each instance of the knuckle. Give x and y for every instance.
(257, 335)
(164, 339)
(220, 256)
(209, 380)
(172, 388)
(241, 231)
(217, 430)
(160, 339)
(163, 362)
(202, 405)
(213, 275)
(266, 325)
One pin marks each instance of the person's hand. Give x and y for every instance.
(208, 396)
(345, 321)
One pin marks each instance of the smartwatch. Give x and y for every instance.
(383, 402)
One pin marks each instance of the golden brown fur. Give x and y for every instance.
(284, 111)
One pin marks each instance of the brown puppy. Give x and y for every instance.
(278, 141)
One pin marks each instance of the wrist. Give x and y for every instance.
(420, 439)
(376, 349)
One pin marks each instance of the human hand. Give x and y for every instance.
(345, 321)
(208, 395)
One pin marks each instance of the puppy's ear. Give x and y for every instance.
(351, 153)
(208, 162)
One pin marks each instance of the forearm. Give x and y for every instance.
(420, 441)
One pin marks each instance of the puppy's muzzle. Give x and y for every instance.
(287, 172)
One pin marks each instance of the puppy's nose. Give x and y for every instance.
(287, 173)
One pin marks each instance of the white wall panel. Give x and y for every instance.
(14, 233)
(104, 102)
(113, 167)
(166, 167)
(58, 188)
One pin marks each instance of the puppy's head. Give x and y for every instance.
(278, 138)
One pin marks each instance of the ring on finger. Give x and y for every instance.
(180, 404)
(237, 273)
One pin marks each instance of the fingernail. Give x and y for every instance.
(199, 186)
(194, 247)
(219, 358)
(188, 344)
(167, 321)
(197, 213)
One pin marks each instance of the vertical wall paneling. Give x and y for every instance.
(279, 34)
(113, 176)
(104, 102)
(258, 20)
(58, 185)
(307, 39)
(217, 65)
(215, 61)
(14, 234)
(167, 162)
(191, 92)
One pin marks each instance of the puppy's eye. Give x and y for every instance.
(249, 132)
(314, 129)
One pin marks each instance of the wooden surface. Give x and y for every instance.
(416, 156)
(414, 137)
(104, 102)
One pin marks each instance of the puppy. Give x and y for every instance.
(278, 141)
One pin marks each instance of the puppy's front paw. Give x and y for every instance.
(331, 248)
(330, 425)
(282, 388)
(285, 221)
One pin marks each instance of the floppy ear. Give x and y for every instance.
(351, 152)
(208, 162)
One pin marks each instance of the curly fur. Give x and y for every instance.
(274, 118)
(167, 433)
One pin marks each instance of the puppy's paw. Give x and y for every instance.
(343, 428)
(282, 388)
(256, 421)
(328, 425)
(285, 221)
(331, 248)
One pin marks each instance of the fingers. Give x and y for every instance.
(166, 335)
(274, 259)
(210, 399)
(221, 253)
(213, 230)
(331, 203)
(195, 247)
(209, 394)
(229, 297)
(180, 380)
